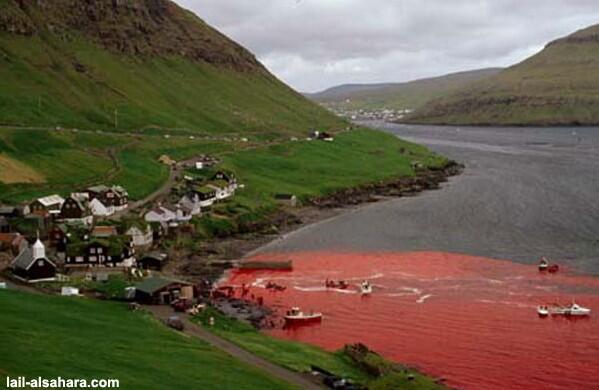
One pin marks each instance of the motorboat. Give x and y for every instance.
(573, 310)
(365, 288)
(543, 264)
(342, 284)
(296, 316)
(543, 311)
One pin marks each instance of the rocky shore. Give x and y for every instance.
(218, 255)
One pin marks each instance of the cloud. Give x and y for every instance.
(314, 44)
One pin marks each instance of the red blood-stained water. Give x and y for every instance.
(467, 319)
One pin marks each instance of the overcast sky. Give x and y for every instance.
(315, 44)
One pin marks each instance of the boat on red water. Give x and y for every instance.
(544, 265)
(366, 288)
(342, 284)
(296, 316)
(574, 310)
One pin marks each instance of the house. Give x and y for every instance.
(104, 231)
(204, 196)
(32, 265)
(160, 214)
(9, 212)
(58, 237)
(111, 252)
(167, 216)
(141, 234)
(191, 203)
(4, 225)
(222, 189)
(227, 176)
(46, 205)
(14, 242)
(163, 291)
(75, 209)
(153, 260)
(286, 199)
(106, 200)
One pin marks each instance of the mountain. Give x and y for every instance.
(399, 96)
(557, 86)
(136, 64)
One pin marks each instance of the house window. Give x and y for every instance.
(79, 259)
(99, 250)
(40, 263)
(92, 251)
(93, 259)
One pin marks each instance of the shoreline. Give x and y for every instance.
(220, 254)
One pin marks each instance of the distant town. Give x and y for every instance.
(384, 114)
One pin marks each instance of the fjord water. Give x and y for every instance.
(456, 284)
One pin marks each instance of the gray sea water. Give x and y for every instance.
(525, 192)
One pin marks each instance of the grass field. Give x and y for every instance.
(299, 357)
(81, 338)
(70, 160)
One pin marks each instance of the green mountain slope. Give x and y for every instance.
(136, 64)
(557, 86)
(398, 96)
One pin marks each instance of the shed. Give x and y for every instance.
(162, 291)
(153, 260)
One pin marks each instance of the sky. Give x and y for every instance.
(316, 44)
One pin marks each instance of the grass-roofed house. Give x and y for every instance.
(114, 251)
(162, 291)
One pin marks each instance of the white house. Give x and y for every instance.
(223, 189)
(99, 209)
(160, 214)
(140, 236)
(192, 203)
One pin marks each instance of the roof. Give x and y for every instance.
(219, 183)
(51, 200)
(25, 259)
(98, 188)
(7, 210)
(204, 190)
(156, 283)
(104, 231)
(155, 256)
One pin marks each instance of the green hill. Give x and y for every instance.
(557, 86)
(89, 339)
(398, 96)
(89, 64)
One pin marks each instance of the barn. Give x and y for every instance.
(162, 291)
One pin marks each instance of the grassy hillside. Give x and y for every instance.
(299, 357)
(81, 338)
(66, 161)
(398, 96)
(558, 86)
(137, 65)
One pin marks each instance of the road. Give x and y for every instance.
(193, 330)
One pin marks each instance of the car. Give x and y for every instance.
(175, 322)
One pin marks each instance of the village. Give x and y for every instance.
(98, 242)
(97, 234)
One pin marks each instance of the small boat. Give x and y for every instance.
(365, 288)
(553, 268)
(543, 264)
(573, 310)
(296, 316)
(342, 284)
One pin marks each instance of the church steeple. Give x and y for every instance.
(39, 250)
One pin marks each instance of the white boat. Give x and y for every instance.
(365, 288)
(574, 310)
(296, 316)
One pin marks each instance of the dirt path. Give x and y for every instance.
(191, 329)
